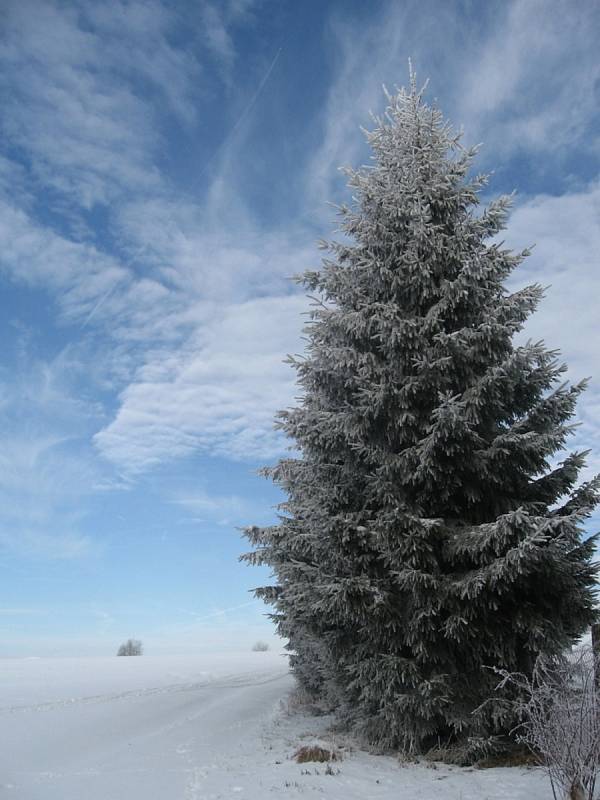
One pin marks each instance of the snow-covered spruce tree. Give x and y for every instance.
(429, 532)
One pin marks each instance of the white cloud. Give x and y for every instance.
(565, 230)
(218, 395)
(217, 35)
(566, 258)
(216, 21)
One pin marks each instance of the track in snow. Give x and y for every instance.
(151, 743)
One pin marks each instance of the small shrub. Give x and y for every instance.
(260, 647)
(299, 701)
(132, 647)
(483, 753)
(561, 721)
(315, 753)
(519, 756)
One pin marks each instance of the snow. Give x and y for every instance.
(197, 728)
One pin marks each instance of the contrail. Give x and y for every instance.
(223, 610)
(113, 288)
(244, 113)
(100, 302)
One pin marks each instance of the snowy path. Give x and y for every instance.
(171, 741)
(201, 728)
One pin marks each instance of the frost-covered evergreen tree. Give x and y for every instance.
(429, 531)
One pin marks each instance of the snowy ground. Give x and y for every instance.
(196, 728)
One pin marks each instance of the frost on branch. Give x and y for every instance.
(560, 720)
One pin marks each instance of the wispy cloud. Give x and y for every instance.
(201, 506)
(79, 273)
(46, 468)
(489, 69)
(505, 99)
(21, 612)
(368, 53)
(74, 78)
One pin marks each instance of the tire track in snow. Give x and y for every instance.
(234, 681)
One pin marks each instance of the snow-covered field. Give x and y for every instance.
(196, 728)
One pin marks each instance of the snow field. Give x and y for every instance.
(212, 727)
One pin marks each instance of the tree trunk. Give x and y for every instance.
(596, 652)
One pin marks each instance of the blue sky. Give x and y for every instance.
(165, 167)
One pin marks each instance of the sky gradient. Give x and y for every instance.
(165, 168)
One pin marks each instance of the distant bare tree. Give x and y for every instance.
(260, 647)
(561, 721)
(132, 647)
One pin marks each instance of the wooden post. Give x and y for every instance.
(596, 652)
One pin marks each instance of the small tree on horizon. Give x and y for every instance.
(429, 532)
(132, 647)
